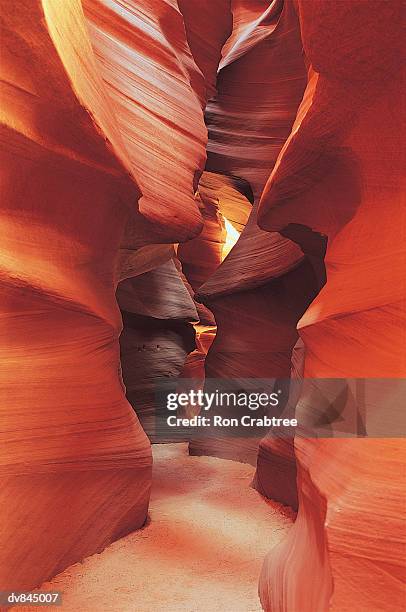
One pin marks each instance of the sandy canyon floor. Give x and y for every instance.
(201, 550)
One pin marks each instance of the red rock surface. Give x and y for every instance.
(339, 173)
(156, 92)
(256, 297)
(73, 164)
(158, 313)
(109, 108)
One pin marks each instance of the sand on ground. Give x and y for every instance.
(200, 551)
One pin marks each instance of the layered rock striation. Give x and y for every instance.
(340, 174)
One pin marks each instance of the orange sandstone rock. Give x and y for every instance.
(75, 462)
(340, 173)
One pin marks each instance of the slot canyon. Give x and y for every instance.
(203, 192)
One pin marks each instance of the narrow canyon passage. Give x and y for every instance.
(201, 550)
(202, 263)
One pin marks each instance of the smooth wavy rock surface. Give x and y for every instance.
(70, 442)
(201, 257)
(249, 119)
(265, 284)
(208, 26)
(339, 173)
(109, 109)
(156, 92)
(82, 105)
(157, 336)
(260, 84)
(257, 343)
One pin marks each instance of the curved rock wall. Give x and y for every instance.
(75, 462)
(339, 173)
(157, 336)
(104, 145)
(263, 287)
